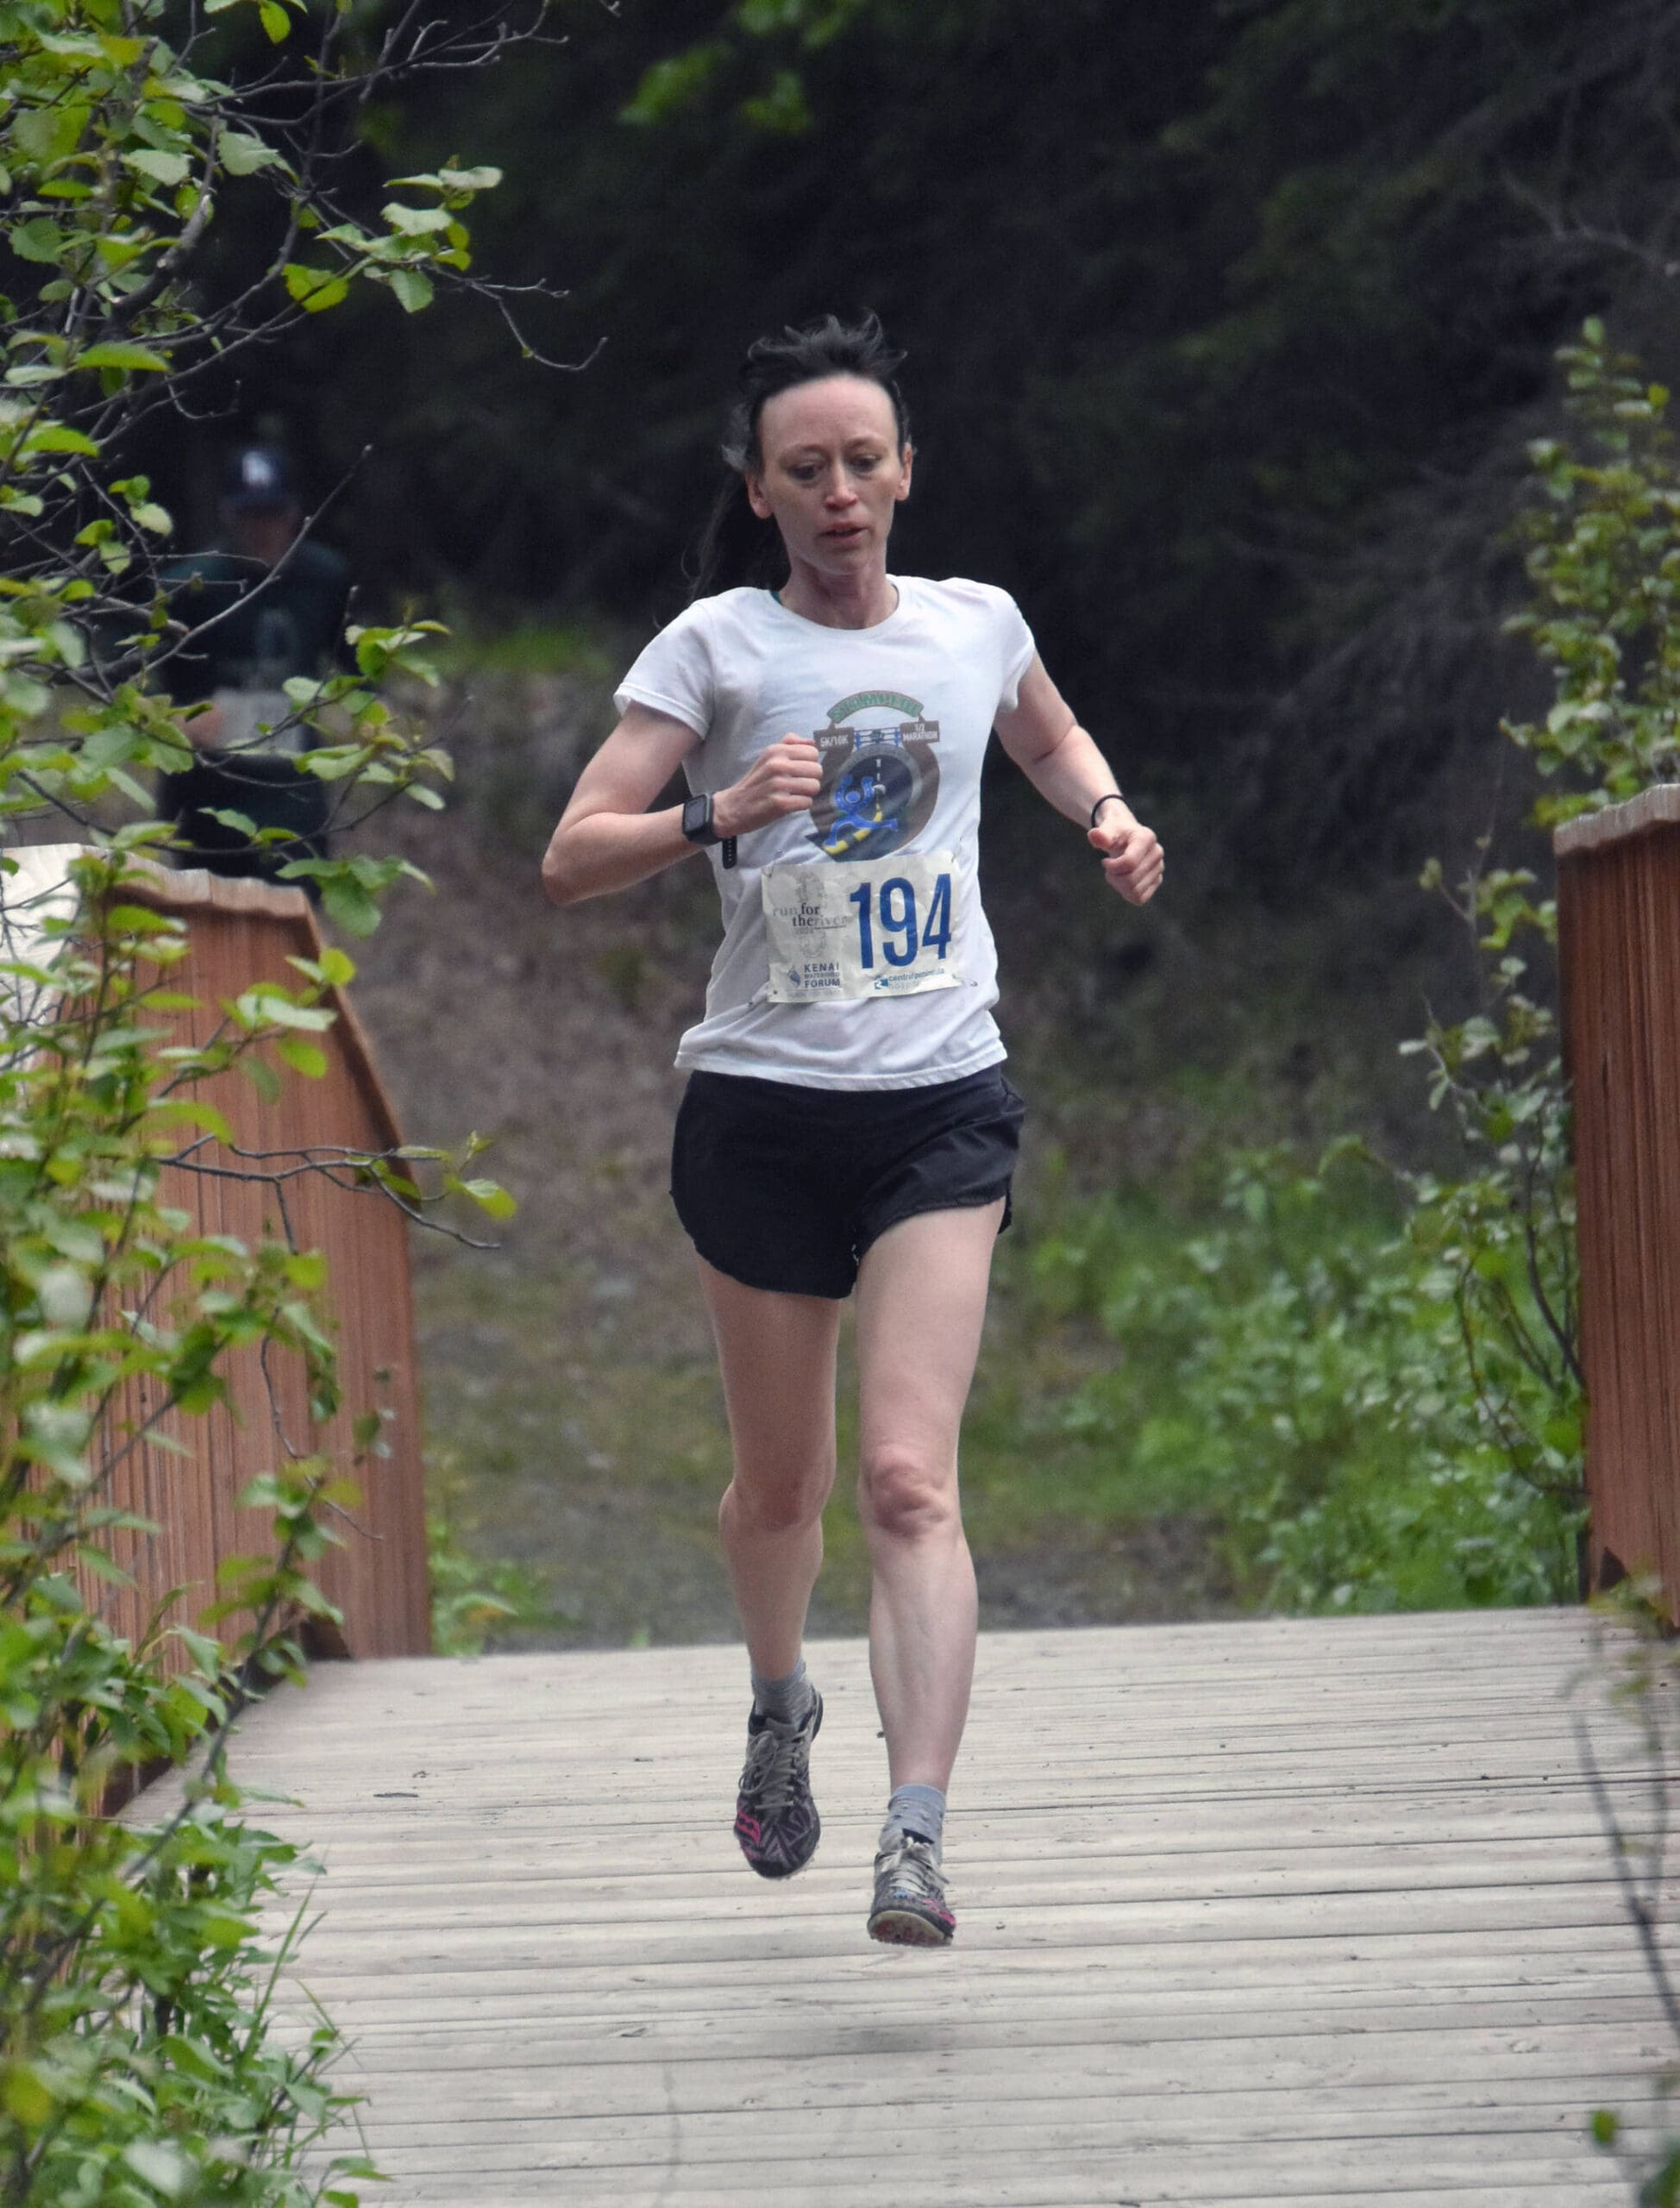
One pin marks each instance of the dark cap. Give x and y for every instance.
(258, 476)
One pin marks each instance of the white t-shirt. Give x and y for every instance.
(901, 714)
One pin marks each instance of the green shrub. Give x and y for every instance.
(134, 1980)
(1296, 1366)
(137, 2064)
(1376, 1383)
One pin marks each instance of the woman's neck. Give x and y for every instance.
(861, 601)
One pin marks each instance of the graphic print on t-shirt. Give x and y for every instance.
(881, 775)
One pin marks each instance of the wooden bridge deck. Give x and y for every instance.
(1291, 1911)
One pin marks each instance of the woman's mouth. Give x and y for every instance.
(846, 533)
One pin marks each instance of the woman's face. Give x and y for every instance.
(831, 473)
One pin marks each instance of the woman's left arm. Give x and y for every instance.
(1063, 764)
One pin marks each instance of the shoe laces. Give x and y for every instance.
(910, 1867)
(778, 1760)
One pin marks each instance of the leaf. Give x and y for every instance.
(243, 152)
(350, 906)
(164, 2168)
(415, 222)
(261, 1076)
(782, 110)
(57, 436)
(25, 2095)
(39, 239)
(162, 168)
(275, 20)
(451, 180)
(121, 352)
(489, 1196)
(98, 1565)
(303, 1057)
(676, 82)
(258, 1006)
(413, 288)
(313, 288)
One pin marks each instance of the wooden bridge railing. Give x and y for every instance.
(1619, 931)
(240, 932)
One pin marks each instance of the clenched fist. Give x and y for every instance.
(783, 780)
(1131, 857)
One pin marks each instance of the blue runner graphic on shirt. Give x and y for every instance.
(881, 776)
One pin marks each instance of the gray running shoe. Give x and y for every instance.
(775, 1819)
(909, 1907)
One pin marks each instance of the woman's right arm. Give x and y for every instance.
(607, 839)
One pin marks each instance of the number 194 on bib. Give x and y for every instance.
(894, 922)
(883, 927)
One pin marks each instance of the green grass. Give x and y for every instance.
(566, 1446)
(1247, 1398)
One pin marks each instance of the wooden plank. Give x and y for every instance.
(1541, 2067)
(1028, 2184)
(1573, 1965)
(891, 2164)
(452, 1889)
(507, 2035)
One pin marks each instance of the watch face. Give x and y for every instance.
(696, 816)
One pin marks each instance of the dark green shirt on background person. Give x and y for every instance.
(265, 609)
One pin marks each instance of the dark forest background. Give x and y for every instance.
(1302, 367)
(1228, 323)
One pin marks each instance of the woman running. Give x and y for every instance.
(846, 1121)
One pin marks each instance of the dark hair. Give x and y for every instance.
(736, 546)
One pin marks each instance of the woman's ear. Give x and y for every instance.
(756, 498)
(904, 460)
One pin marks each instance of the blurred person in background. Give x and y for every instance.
(269, 605)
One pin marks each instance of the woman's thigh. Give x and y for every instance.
(776, 1354)
(921, 1304)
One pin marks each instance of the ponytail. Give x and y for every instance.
(735, 548)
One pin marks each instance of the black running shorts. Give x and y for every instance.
(784, 1187)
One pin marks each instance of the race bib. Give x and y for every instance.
(880, 928)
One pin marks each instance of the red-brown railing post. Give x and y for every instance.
(1619, 947)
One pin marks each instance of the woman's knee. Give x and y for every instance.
(906, 1494)
(783, 1505)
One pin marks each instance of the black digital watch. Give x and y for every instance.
(700, 828)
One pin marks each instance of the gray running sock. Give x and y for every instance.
(920, 1809)
(784, 1701)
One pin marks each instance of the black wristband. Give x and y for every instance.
(1108, 798)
